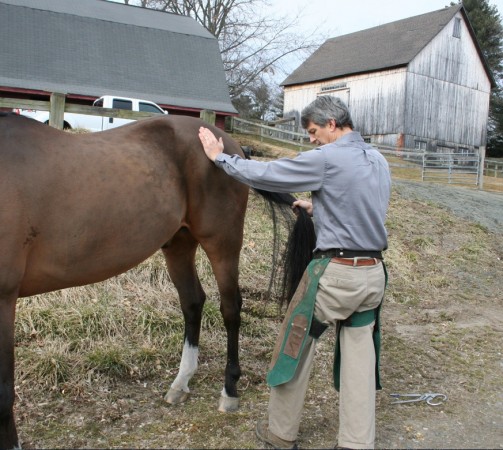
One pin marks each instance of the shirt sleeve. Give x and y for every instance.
(301, 174)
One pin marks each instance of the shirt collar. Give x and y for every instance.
(353, 136)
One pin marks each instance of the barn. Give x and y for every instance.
(89, 48)
(418, 83)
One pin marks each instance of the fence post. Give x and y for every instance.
(482, 163)
(208, 116)
(57, 110)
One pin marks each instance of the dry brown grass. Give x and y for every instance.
(94, 362)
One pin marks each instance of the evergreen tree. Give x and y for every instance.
(486, 22)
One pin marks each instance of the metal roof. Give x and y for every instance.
(95, 47)
(391, 45)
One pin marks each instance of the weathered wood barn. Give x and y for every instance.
(420, 82)
(89, 48)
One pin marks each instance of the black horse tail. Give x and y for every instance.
(300, 243)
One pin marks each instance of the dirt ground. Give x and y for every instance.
(459, 330)
(447, 339)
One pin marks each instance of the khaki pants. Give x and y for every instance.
(342, 290)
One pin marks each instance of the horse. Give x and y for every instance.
(77, 209)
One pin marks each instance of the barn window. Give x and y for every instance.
(334, 87)
(366, 140)
(420, 145)
(456, 32)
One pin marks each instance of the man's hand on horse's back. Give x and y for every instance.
(212, 146)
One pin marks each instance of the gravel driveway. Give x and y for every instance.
(485, 208)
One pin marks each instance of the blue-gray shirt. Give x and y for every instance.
(350, 184)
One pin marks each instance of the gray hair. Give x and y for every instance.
(324, 109)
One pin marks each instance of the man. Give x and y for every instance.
(350, 184)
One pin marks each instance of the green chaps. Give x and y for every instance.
(302, 323)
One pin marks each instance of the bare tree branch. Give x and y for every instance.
(251, 45)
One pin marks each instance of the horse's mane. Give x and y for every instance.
(300, 244)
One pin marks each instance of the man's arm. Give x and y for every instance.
(301, 174)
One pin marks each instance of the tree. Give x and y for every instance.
(252, 44)
(486, 22)
(263, 102)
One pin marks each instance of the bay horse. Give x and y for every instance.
(77, 209)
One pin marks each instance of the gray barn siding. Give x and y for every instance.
(377, 105)
(451, 59)
(443, 111)
(447, 92)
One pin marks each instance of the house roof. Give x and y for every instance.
(95, 47)
(386, 46)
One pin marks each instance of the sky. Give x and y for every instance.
(338, 17)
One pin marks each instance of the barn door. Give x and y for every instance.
(343, 94)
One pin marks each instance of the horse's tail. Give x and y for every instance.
(300, 244)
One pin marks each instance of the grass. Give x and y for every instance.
(131, 326)
(94, 362)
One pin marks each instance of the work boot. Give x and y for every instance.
(270, 438)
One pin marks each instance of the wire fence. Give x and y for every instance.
(441, 167)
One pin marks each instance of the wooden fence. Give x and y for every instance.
(397, 158)
(300, 140)
(493, 168)
(57, 106)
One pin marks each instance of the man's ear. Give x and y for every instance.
(332, 124)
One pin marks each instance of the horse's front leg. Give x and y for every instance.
(8, 434)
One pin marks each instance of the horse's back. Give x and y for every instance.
(102, 202)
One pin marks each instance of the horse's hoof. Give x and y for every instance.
(175, 397)
(228, 404)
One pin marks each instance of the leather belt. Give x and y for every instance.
(340, 253)
(356, 262)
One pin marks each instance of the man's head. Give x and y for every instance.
(325, 119)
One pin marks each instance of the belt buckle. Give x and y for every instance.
(364, 258)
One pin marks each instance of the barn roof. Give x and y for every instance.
(94, 47)
(386, 46)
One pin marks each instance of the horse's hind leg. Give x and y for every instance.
(180, 256)
(8, 434)
(223, 254)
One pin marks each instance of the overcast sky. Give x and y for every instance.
(337, 17)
